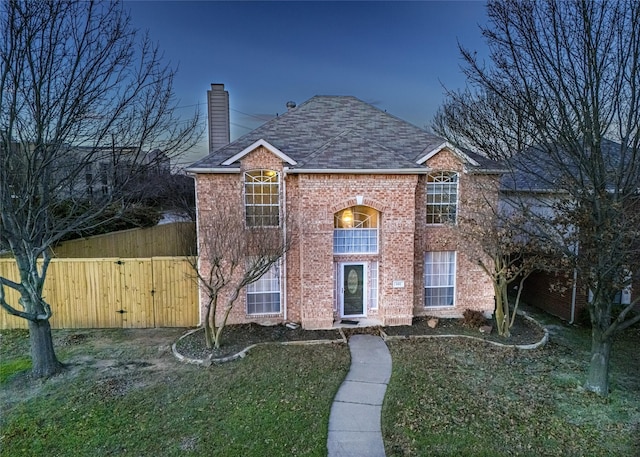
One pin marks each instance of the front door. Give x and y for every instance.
(353, 290)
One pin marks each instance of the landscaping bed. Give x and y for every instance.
(523, 332)
(237, 338)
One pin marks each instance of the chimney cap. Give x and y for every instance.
(291, 105)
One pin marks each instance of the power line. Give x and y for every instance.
(250, 115)
(241, 126)
(189, 106)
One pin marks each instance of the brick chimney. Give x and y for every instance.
(218, 107)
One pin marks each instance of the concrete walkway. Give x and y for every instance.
(354, 423)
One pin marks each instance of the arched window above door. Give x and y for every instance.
(355, 230)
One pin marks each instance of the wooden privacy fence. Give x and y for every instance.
(177, 238)
(113, 293)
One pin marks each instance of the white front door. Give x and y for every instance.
(352, 289)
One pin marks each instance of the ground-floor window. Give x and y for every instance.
(263, 296)
(439, 278)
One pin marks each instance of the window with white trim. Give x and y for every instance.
(373, 285)
(263, 295)
(262, 198)
(355, 231)
(439, 278)
(442, 197)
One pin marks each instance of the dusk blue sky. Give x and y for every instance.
(394, 55)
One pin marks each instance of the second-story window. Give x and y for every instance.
(442, 197)
(355, 231)
(262, 198)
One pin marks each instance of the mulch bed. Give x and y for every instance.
(236, 338)
(522, 332)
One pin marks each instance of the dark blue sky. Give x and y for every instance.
(395, 55)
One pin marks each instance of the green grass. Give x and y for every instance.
(13, 353)
(274, 402)
(124, 394)
(11, 367)
(459, 398)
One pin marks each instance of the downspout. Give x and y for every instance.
(284, 236)
(573, 295)
(197, 253)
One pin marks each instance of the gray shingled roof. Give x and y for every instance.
(340, 133)
(535, 171)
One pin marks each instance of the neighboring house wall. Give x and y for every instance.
(564, 297)
(554, 293)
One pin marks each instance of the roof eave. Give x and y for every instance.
(359, 171)
(486, 171)
(532, 191)
(202, 170)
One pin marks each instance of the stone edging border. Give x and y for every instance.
(208, 361)
(528, 347)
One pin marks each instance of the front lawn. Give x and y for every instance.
(126, 395)
(457, 398)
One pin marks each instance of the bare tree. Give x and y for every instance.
(568, 73)
(230, 257)
(508, 254)
(481, 122)
(82, 97)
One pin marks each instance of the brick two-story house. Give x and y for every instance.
(377, 201)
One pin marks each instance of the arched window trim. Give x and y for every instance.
(356, 231)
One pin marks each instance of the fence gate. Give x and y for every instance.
(114, 293)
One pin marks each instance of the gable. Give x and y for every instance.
(445, 160)
(429, 155)
(255, 145)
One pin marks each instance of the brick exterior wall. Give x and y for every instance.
(553, 293)
(474, 289)
(308, 205)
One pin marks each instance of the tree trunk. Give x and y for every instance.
(43, 356)
(208, 337)
(598, 377)
(502, 307)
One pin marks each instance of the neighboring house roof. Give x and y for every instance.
(534, 170)
(341, 133)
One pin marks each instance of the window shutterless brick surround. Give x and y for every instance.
(310, 202)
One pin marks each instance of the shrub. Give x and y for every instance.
(473, 319)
